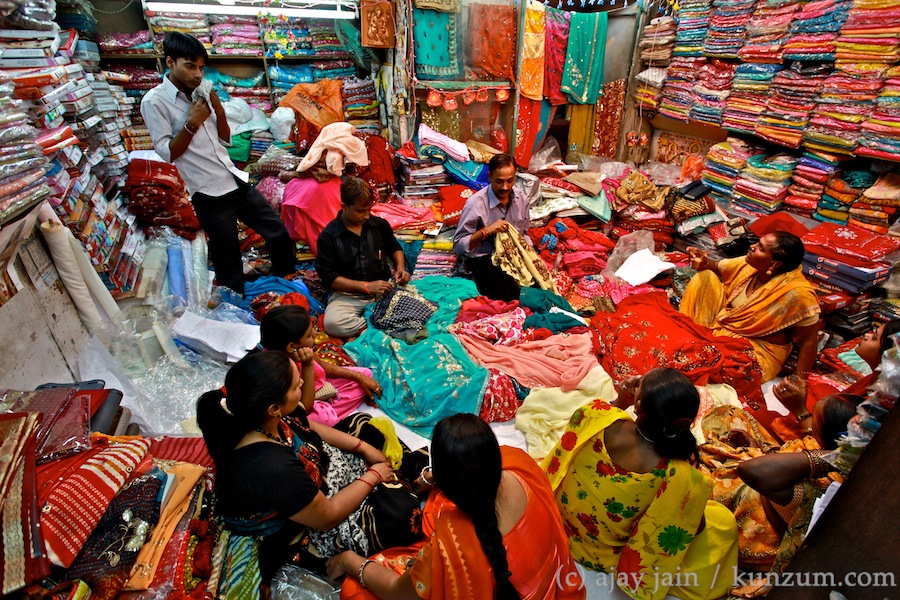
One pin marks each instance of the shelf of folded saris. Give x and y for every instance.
(128, 55)
(462, 85)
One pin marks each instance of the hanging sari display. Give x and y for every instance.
(532, 78)
(436, 44)
(581, 127)
(556, 40)
(608, 119)
(492, 40)
(583, 74)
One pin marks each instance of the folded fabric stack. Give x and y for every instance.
(727, 27)
(190, 23)
(763, 184)
(251, 89)
(436, 258)
(140, 42)
(283, 77)
(678, 92)
(767, 32)
(361, 105)
(422, 179)
(137, 80)
(846, 101)
(881, 131)
(69, 14)
(237, 35)
(711, 90)
(650, 84)
(840, 193)
(841, 258)
(723, 165)
(259, 143)
(285, 36)
(693, 21)
(808, 183)
(815, 29)
(325, 41)
(749, 91)
(793, 96)
(333, 69)
(878, 206)
(23, 165)
(158, 197)
(871, 34)
(658, 40)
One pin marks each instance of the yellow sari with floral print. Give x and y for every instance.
(640, 526)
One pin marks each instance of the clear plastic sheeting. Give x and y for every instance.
(663, 174)
(625, 247)
(870, 414)
(295, 583)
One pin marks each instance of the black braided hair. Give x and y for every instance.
(467, 469)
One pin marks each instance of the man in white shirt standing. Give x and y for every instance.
(192, 134)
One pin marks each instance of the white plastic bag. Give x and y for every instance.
(281, 122)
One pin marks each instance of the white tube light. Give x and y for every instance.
(218, 9)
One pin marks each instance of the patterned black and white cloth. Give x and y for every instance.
(402, 309)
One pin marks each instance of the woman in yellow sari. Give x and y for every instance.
(763, 297)
(631, 502)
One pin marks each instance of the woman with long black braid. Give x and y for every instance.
(490, 511)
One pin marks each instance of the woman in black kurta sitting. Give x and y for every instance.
(292, 482)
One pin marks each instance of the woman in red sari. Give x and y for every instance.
(493, 525)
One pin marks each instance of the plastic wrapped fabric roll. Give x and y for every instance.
(99, 292)
(201, 267)
(47, 213)
(57, 237)
(187, 265)
(153, 277)
(176, 272)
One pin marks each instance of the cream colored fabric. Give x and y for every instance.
(519, 260)
(337, 143)
(543, 416)
(57, 237)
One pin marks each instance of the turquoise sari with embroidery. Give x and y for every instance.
(583, 72)
(432, 379)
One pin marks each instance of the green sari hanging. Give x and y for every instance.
(583, 73)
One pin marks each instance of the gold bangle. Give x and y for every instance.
(804, 416)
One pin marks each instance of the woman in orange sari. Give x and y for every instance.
(493, 526)
(762, 297)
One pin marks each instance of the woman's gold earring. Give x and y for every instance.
(769, 272)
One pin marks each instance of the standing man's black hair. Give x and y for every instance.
(181, 45)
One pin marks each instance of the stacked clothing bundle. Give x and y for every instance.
(285, 36)
(127, 43)
(693, 21)
(158, 197)
(252, 89)
(767, 31)
(436, 257)
(422, 179)
(846, 101)
(878, 206)
(284, 77)
(723, 165)
(749, 91)
(815, 29)
(844, 259)
(793, 96)
(70, 14)
(325, 41)
(259, 143)
(236, 35)
(727, 27)
(23, 168)
(871, 34)
(658, 40)
(136, 80)
(333, 69)
(678, 92)
(763, 184)
(361, 105)
(650, 84)
(808, 182)
(711, 90)
(881, 131)
(190, 23)
(840, 194)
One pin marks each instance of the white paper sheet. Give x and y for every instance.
(225, 341)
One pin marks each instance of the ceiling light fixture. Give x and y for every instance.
(219, 9)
